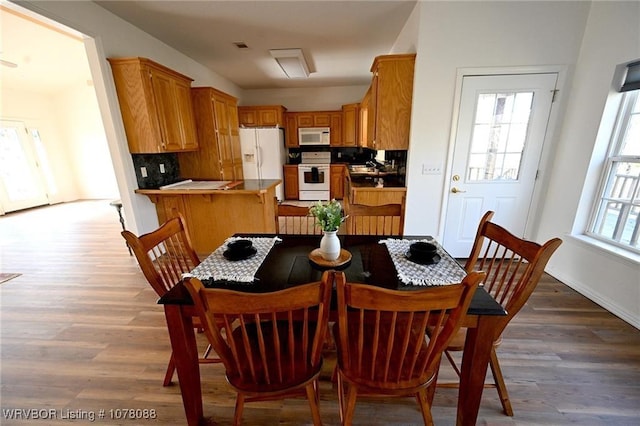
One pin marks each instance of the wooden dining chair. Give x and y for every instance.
(270, 343)
(513, 267)
(382, 346)
(292, 219)
(387, 219)
(164, 255)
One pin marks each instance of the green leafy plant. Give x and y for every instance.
(328, 215)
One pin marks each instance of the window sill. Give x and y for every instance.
(611, 250)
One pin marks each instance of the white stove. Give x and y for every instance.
(314, 176)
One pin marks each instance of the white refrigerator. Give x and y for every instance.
(263, 155)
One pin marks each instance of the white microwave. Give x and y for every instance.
(314, 136)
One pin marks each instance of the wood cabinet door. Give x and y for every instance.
(234, 136)
(166, 110)
(305, 120)
(291, 130)
(268, 117)
(337, 181)
(291, 189)
(350, 119)
(336, 129)
(321, 119)
(247, 117)
(224, 138)
(391, 100)
(186, 116)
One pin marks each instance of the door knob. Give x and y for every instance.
(456, 190)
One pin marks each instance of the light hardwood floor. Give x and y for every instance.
(81, 330)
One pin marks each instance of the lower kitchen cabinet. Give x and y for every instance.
(337, 181)
(291, 188)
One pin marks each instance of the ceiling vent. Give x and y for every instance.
(292, 62)
(241, 45)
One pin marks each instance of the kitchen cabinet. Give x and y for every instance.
(156, 108)
(262, 116)
(370, 195)
(291, 188)
(313, 119)
(388, 106)
(365, 126)
(213, 214)
(291, 131)
(335, 126)
(219, 156)
(296, 120)
(336, 177)
(350, 128)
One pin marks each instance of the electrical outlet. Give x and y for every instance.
(431, 169)
(161, 167)
(143, 172)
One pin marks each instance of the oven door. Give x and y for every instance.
(313, 177)
(313, 182)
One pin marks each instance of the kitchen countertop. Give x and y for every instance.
(233, 187)
(389, 182)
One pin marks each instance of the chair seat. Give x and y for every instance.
(267, 375)
(401, 377)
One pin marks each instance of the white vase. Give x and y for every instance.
(330, 245)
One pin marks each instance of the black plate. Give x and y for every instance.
(435, 259)
(240, 255)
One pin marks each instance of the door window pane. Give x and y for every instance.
(499, 136)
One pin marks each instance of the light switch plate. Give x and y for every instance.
(143, 172)
(431, 169)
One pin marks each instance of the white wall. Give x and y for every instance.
(457, 35)
(114, 37)
(612, 37)
(67, 130)
(588, 39)
(87, 154)
(310, 99)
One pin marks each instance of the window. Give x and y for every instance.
(615, 216)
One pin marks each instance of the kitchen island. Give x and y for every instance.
(374, 190)
(212, 215)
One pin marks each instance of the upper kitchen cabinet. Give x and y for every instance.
(297, 120)
(350, 128)
(219, 156)
(155, 102)
(388, 108)
(262, 116)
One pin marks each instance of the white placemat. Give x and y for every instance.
(217, 267)
(446, 271)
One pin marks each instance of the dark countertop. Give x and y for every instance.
(389, 181)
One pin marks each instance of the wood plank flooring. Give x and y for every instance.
(81, 332)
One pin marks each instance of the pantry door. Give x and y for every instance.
(501, 129)
(21, 180)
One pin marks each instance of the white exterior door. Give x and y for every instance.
(500, 133)
(21, 180)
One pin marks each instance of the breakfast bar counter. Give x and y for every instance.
(214, 214)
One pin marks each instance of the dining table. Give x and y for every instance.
(283, 261)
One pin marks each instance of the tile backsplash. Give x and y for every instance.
(153, 163)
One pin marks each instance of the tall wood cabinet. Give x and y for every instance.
(155, 103)
(386, 108)
(219, 156)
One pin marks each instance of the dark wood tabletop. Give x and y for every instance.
(288, 265)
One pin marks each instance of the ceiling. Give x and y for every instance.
(339, 39)
(48, 57)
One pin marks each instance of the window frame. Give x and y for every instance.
(614, 157)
